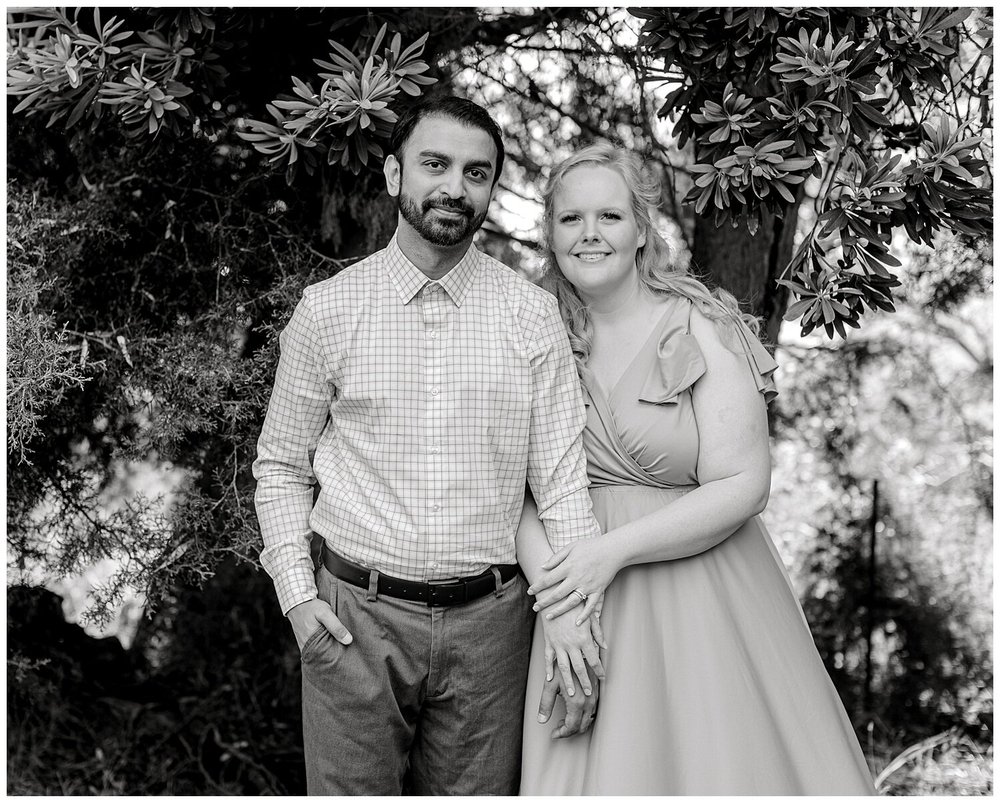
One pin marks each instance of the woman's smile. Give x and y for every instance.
(592, 256)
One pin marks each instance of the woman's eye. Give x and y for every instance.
(612, 216)
(567, 218)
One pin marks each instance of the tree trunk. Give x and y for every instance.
(748, 266)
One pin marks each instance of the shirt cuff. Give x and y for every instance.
(295, 586)
(569, 521)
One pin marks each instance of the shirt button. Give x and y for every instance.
(435, 449)
(432, 334)
(435, 391)
(435, 507)
(434, 565)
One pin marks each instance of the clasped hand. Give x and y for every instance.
(573, 650)
(583, 566)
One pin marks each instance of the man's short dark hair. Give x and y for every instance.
(458, 109)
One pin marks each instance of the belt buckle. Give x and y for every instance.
(458, 590)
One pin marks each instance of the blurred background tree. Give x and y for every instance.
(177, 176)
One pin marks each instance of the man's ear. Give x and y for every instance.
(393, 172)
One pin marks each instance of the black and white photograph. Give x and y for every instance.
(516, 401)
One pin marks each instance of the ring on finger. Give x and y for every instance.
(580, 594)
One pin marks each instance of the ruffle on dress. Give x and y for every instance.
(680, 363)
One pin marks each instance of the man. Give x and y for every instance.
(420, 388)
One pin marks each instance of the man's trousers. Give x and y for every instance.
(426, 699)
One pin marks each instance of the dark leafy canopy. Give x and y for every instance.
(74, 69)
(883, 109)
(866, 104)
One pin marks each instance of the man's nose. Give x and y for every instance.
(453, 184)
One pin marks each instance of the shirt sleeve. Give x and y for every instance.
(296, 415)
(557, 465)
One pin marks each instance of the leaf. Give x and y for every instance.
(872, 114)
(81, 106)
(953, 19)
(795, 310)
(120, 339)
(674, 100)
(797, 164)
(379, 37)
(413, 49)
(828, 315)
(345, 55)
(782, 190)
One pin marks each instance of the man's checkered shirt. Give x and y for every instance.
(419, 407)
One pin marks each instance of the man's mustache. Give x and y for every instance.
(448, 204)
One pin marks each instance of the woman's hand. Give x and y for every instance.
(587, 567)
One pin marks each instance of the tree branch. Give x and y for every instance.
(505, 235)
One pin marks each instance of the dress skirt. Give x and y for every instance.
(714, 685)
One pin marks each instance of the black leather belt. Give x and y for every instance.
(452, 592)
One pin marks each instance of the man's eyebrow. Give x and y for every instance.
(483, 163)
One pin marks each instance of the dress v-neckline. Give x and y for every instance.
(657, 328)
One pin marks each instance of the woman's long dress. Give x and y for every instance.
(714, 684)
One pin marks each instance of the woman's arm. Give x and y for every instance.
(565, 640)
(734, 474)
(532, 546)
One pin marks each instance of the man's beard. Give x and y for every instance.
(438, 230)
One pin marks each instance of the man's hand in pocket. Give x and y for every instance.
(308, 617)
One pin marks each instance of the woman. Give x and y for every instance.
(713, 684)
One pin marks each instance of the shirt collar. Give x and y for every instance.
(409, 280)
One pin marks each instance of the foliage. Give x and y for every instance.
(905, 633)
(180, 377)
(349, 113)
(76, 72)
(772, 97)
(170, 76)
(41, 365)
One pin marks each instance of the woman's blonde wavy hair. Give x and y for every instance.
(656, 272)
